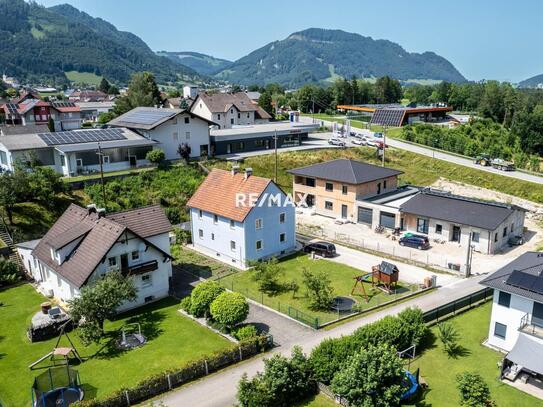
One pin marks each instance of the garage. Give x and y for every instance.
(387, 220)
(365, 215)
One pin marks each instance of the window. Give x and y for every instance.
(200, 233)
(512, 227)
(328, 205)
(146, 280)
(215, 219)
(112, 261)
(248, 115)
(135, 255)
(344, 189)
(105, 159)
(241, 145)
(282, 217)
(378, 188)
(475, 237)
(385, 184)
(282, 238)
(504, 299)
(495, 237)
(232, 224)
(504, 231)
(62, 159)
(213, 236)
(500, 330)
(79, 162)
(187, 120)
(239, 115)
(439, 229)
(258, 223)
(232, 245)
(187, 135)
(200, 213)
(310, 182)
(329, 187)
(175, 136)
(258, 245)
(231, 111)
(422, 225)
(219, 116)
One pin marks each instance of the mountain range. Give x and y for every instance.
(201, 63)
(40, 44)
(533, 82)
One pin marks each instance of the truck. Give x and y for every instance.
(486, 161)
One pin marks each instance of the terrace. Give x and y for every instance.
(532, 326)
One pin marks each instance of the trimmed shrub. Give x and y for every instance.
(229, 309)
(202, 296)
(186, 304)
(156, 156)
(474, 391)
(245, 332)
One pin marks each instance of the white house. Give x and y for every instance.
(516, 322)
(229, 109)
(238, 218)
(170, 128)
(85, 243)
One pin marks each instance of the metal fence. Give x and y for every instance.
(421, 257)
(459, 305)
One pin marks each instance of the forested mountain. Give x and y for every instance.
(201, 63)
(317, 55)
(533, 82)
(39, 44)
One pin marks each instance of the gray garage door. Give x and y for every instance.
(365, 215)
(388, 220)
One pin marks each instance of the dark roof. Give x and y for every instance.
(458, 209)
(148, 118)
(9, 130)
(347, 171)
(97, 235)
(221, 102)
(528, 264)
(387, 268)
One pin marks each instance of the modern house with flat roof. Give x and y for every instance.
(242, 139)
(169, 128)
(516, 322)
(86, 243)
(228, 110)
(75, 152)
(238, 218)
(396, 115)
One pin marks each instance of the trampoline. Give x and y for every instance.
(131, 337)
(343, 304)
(411, 384)
(57, 387)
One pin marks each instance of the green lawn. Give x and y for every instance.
(440, 371)
(340, 275)
(173, 341)
(200, 265)
(86, 78)
(318, 400)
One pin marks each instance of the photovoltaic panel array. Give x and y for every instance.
(63, 104)
(147, 117)
(12, 108)
(526, 281)
(388, 117)
(82, 136)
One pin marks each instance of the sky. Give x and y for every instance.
(483, 39)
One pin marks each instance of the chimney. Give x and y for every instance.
(235, 169)
(91, 208)
(101, 212)
(248, 172)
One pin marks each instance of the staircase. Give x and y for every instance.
(7, 239)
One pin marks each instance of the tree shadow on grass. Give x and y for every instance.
(458, 351)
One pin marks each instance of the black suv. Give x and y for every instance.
(323, 249)
(418, 241)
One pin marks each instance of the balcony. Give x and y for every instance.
(531, 326)
(140, 268)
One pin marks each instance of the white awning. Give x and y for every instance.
(528, 353)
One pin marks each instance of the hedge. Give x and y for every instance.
(160, 383)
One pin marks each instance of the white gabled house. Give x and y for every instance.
(516, 323)
(85, 243)
(238, 217)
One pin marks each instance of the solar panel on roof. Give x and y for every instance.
(147, 117)
(82, 136)
(388, 117)
(526, 281)
(63, 104)
(12, 108)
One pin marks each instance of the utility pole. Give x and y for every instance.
(276, 158)
(469, 257)
(313, 109)
(384, 144)
(101, 159)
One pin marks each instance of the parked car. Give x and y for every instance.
(359, 141)
(372, 142)
(418, 241)
(378, 135)
(516, 240)
(336, 142)
(323, 249)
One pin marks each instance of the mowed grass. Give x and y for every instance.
(417, 169)
(173, 341)
(87, 78)
(340, 275)
(317, 400)
(440, 371)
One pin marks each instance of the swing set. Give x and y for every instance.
(60, 352)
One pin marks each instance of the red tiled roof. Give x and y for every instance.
(217, 194)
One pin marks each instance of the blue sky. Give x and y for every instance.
(484, 39)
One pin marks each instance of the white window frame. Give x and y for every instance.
(215, 219)
(259, 224)
(105, 159)
(233, 245)
(187, 120)
(200, 233)
(112, 261)
(187, 135)
(146, 280)
(232, 223)
(79, 162)
(136, 253)
(200, 214)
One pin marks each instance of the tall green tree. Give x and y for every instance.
(387, 90)
(142, 91)
(265, 102)
(104, 86)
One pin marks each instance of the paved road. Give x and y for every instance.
(220, 389)
(466, 162)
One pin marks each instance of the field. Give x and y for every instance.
(86, 78)
(440, 371)
(171, 343)
(417, 169)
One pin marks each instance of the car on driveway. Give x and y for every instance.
(417, 241)
(359, 141)
(336, 142)
(323, 249)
